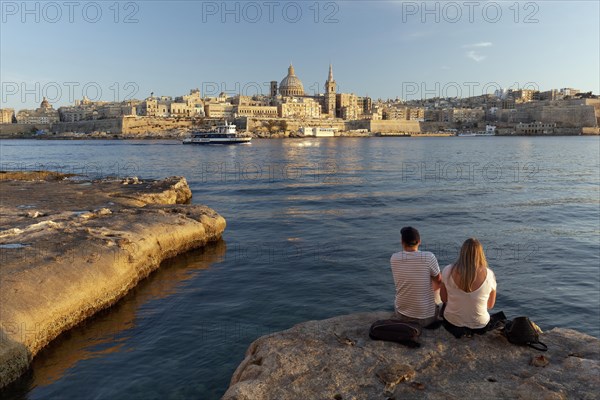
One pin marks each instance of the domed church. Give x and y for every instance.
(291, 84)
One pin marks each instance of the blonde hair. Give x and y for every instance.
(471, 258)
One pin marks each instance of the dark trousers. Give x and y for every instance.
(496, 319)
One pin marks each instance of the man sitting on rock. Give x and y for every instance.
(417, 278)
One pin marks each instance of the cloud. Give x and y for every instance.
(473, 55)
(480, 44)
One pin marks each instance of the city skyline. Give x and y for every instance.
(380, 49)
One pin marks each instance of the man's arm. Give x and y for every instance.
(444, 293)
(437, 281)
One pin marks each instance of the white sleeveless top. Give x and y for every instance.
(467, 309)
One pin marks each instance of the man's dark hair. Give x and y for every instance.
(410, 236)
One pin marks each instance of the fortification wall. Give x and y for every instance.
(394, 125)
(151, 125)
(111, 126)
(8, 130)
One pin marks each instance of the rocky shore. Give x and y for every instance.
(335, 359)
(70, 248)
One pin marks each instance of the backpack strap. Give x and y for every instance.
(538, 346)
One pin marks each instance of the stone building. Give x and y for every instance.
(7, 115)
(257, 111)
(219, 110)
(405, 113)
(45, 114)
(466, 115)
(190, 105)
(366, 104)
(523, 95)
(194, 106)
(86, 110)
(347, 106)
(535, 128)
(299, 108)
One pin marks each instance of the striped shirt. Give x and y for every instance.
(412, 272)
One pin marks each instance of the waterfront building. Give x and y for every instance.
(7, 115)
(318, 131)
(45, 114)
(535, 128)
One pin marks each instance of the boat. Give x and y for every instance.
(392, 134)
(471, 134)
(223, 134)
(490, 130)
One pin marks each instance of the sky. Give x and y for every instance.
(115, 51)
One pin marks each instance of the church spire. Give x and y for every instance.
(330, 79)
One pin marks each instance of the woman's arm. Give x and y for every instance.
(491, 300)
(444, 293)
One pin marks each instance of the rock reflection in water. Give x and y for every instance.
(107, 332)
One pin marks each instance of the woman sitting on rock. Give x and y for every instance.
(469, 291)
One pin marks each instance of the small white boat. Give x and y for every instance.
(471, 134)
(490, 130)
(224, 134)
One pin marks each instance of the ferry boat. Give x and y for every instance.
(224, 134)
(490, 130)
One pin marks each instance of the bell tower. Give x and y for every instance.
(330, 93)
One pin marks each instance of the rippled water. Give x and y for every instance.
(311, 227)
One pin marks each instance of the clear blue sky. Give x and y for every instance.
(385, 49)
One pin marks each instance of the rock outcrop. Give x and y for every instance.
(335, 359)
(70, 248)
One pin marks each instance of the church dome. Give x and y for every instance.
(45, 103)
(291, 84)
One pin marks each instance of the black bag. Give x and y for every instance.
(393, 330)
(521, 331)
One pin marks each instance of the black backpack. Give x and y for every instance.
(393, 330)
(521, 331)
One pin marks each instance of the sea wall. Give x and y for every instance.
(154, 125)
(19, 130)
(70, 248)
(336, 359)
(394, 125)
(110, 126)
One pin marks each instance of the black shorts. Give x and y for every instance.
(496, 320)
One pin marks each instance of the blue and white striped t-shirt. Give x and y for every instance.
(412, 271)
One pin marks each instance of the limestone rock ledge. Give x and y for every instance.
(335, 359)
(70, 248)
